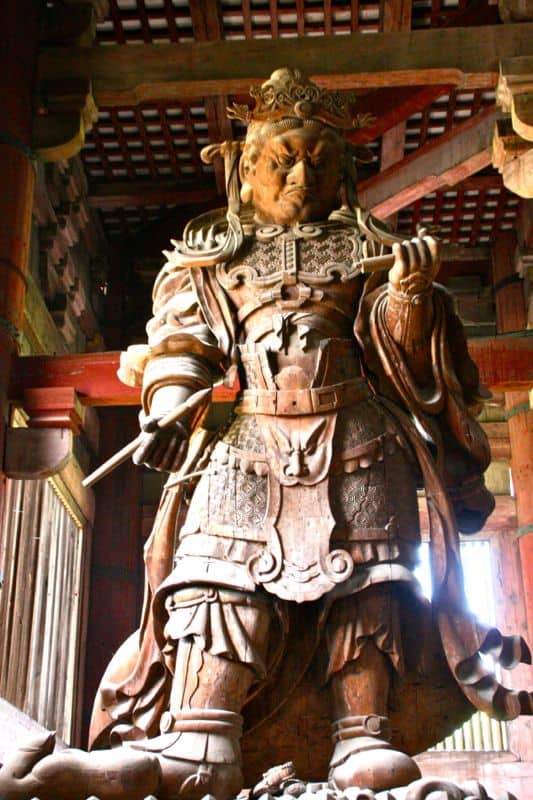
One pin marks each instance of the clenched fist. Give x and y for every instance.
(416, 264)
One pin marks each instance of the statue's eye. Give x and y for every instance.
(286, 160)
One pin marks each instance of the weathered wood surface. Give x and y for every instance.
(465, 57)
(445, 161)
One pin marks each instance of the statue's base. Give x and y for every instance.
(280, 783)
(423, 789)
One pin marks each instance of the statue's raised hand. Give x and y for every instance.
(416, 263)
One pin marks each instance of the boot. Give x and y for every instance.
(363, 756)
(199, 753)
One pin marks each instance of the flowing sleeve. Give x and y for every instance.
(443, 406)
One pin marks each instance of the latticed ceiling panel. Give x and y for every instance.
(444, 114)
(129, 220)
(160, 143)
(472, 213)
(165, 139)
(148, 141)
(137, 21)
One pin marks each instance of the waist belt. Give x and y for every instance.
(288, 402)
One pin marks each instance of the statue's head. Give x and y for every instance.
(294, 157)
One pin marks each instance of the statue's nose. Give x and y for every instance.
(301, 174)
(296, 466)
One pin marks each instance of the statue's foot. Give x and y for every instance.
(202, 756)
(34, 771)
(376, 768)
(16, 779)
(111, 775)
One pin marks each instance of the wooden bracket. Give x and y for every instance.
(53, 407)
(66, 113)
(512, 155)
(74, 21)
(514, 93)
(54, 416)
(66, 110)
(515, 10)
(37, 452)
(512, 151)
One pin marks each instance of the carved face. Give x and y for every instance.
(295, 175)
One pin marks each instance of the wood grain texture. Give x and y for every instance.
(465, 57)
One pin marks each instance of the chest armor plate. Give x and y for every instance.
(286, 272)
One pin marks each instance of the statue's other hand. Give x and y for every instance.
(162, 449)
(416, 264)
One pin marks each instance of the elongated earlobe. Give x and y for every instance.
(246, 192)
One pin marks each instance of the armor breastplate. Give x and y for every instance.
(296, 294)
(304, 281)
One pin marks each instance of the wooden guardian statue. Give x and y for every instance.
(291, 563)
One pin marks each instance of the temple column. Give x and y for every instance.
(17, 62)
(511, 316)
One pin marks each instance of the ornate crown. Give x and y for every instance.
(289, 94)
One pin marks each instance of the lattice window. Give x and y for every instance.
(480, 732)
(42, 558)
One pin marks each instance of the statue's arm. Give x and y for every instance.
(409, 314)
(181, 358)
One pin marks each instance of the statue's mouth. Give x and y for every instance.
(301, 193)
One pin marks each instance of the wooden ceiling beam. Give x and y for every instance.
(393, 106)
(505, 363)
(120, 194)
(127, 75)
(445, 161)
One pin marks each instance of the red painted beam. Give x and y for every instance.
(505, 364)
(392, 106)
(92, 375)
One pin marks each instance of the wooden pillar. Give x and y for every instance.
(511, 316)
(116, 579)
(520, 419)
(19, 21)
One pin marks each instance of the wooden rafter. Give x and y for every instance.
(118, 194)
(392, 106)
(448, 159)
(465, 57)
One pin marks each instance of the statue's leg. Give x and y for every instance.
(216, 643)
(364, 648)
